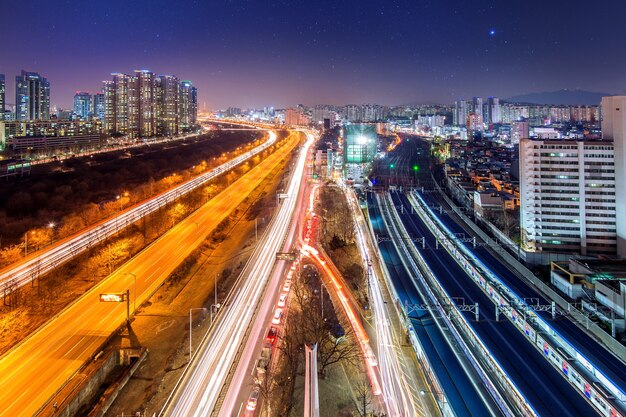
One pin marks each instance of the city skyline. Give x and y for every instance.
(253, 55)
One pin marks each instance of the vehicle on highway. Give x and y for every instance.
(282, 300)
(263, 363)
(278, 315)
(253, 400)
(287, 286)
(271, 335)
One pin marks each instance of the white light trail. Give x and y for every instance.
(48, 259)
(199, 388)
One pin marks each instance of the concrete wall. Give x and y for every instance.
(86, 393)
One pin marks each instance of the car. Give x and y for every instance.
(253, 400)
(287, 286)
(271, 335)
(282, 300)
(278, 314)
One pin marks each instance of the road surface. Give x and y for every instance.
(34, 370)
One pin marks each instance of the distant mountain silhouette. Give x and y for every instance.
(564, 97)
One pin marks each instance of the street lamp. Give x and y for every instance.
(134, 290)
(217, 307)
(190, 329)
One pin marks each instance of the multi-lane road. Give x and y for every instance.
(199, 391)
(47, 259)
(34, 370)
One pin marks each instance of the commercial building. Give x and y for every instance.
(82, 104)
(32, 97)
(568, 196)
(360, 143)
(144, 105)
(614, 129)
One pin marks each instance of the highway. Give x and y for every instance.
(464, 395)
(546, 391)
(200, 386)
(39, 366)
(240, 385)
(45, 260)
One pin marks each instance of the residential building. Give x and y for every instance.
(145, 85)
(460, 112)
(474, 122)
(32, 97)
(167, 103)
(614, 129)
(519, 131)
(188, 105)
(567, 196)
(98, 106)
(2, 96)
(117, 104)
(82, 104)
(493, 110)
(295, 117)
(144, 105)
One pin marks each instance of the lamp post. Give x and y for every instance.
(217, 307)
(191, 328)
(134, 290)
(26, 244)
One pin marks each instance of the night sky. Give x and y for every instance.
(257, 53)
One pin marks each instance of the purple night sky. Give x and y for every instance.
(257, 53)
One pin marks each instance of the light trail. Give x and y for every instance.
(359, 331)
(198, 390)
(45, 260)
(396, 388)
(41, 365)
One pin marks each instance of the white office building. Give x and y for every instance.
(614, 129)
(567, 196)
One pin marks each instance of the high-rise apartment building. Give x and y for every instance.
(460, 112)
(118, 105)
(167, 103)
(477, 106)
(568, 196)
(493, 110)
(519, 131)
(614, 129)
(82, 104)
(98, 106)
(2, 95)
(188, 105)
(144, 105)
(145, 85)
(474, 123)
(295, 117)
(32, 97)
